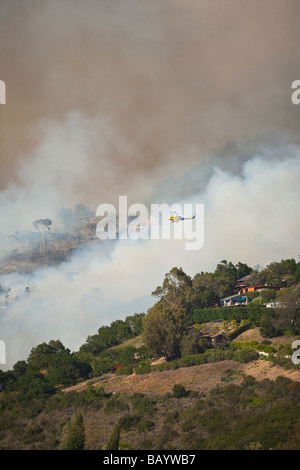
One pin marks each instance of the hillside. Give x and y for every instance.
(225, 405)
(200, 378)
(25, 253)
(185, 375)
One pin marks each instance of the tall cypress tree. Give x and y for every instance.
(114, 440)
(76, 435)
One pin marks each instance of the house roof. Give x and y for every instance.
(244, 278)
(207, 335)
(236, 296)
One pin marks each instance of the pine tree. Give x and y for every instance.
(76, 435)
(114, 440)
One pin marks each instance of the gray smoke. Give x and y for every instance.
(171, 102)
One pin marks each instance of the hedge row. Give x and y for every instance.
(253, 345)
(219, 313)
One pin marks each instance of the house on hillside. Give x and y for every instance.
(244, 290)
(235, 300)
(216, 339)
(243, 287)
(219, 340)
(240, 283)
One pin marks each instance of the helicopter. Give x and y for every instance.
(177, 218)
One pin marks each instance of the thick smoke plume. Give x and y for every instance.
(171, 102)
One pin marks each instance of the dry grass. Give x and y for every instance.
(254, 335)
(200, 378)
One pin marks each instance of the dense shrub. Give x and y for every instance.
(179, 391)
(75, 439)
(116, 403)
(219, 313)
(144, 368)
(124, 370)
(253, 345)
(145, 425)
(143, 405)
(245, 355)
(33, 385)
(193, 360)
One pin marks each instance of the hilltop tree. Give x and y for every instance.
(164, 329)
(64, 368)
(176, 290)
(39, 355)
(42, 225)
(289, 315)
(286, 273)
(208, 288)
(226, 268)
(242, 270)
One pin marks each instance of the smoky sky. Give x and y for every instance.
(174, 80)
(163, 101)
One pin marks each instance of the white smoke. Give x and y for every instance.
(149, 100)
(251, 215)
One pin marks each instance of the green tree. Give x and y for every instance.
(102, 365)
(205, 290)
(64, 369)
(164, 329)
(75, 439)
(120, 330)
(176, 290)
(245, 355)
(126, 355)
(288, 315)
(209, 288)
(193, 344)
(242, 270)
(254, 313)
(20, 368)
(144, 353)
(7, 380)
(267, 329)
(189, 345)
(135, 323)
(179, 391)
(267, 295)
(114, 439)
(40, 355)
(33, 385)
